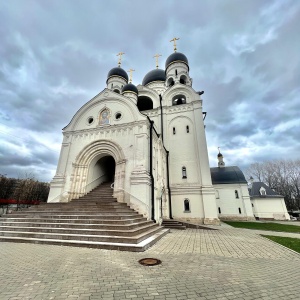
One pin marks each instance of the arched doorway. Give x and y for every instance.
(104, 168)
(100, 161)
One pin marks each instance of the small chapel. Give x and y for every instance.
(148, 143)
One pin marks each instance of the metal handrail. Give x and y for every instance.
(93, 181)
(112, 186)
(58, 196)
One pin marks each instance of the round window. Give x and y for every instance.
(118, 116)
(90, 120)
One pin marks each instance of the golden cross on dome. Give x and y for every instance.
(174, 41)
(120, 58)
(156, 57)
(130, 74)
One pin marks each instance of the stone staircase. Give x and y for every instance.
(172, 224)
(95, 220)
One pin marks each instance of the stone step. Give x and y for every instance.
(87, 212)
(84, 209)
(76, 216)
(76, 221)
(82, 237)
(88, 226)
(172, 224)
(82, 203)
(138, 247)
(81, 231)
(94, 220)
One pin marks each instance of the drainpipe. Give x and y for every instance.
(150, 167)
(161, 119)
(151, 172)
(169, 190)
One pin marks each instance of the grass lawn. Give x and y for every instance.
(291, 243)
(265, 226)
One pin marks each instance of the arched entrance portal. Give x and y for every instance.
(101, 169)
(98, 162)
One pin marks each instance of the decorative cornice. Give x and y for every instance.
(106, 128)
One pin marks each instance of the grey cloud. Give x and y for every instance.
(55, 56)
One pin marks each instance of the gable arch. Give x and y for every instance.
(105, 147)
(187, 120)
(146, 92)
(109, 99)
(178, 89)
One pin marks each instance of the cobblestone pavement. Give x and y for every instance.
(196, 264)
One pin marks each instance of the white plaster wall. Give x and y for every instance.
(228, 202)
(182, 69)
(196, 213)
(270, 208)
(79, 134)
(183, 150)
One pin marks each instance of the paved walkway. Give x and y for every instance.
(228, 263)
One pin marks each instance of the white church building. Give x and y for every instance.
(149, 142)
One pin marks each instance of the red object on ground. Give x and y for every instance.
(13, 201)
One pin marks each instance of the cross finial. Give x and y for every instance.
(219, 149)
(130, 74)
(174, 41)
(156, 57)
(120, 58)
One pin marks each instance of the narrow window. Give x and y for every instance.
(240, 211)
(176, 72)
(187, 205)
(217, 195)
(112, 85)
(219, 208)
(174, 130)
(184, 172)
(187, 129)
(236, 194)
(252, 204)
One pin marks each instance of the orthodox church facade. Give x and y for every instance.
(149, 142)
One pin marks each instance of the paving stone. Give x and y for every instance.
(196, 264)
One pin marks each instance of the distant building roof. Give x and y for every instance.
(227, 175)
(254, 191)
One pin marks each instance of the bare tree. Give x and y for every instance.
(283, 176)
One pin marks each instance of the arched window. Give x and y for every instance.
(262, 191)
(176, 73)
(112, 85)
(179, 99)
(183, 79)
(171, 82)
(236, 194)
(184, 172)
(116, 91)
(187, 129)
(219, 209)
(144, 103)
(174, 130)
(187, 205)
(240, 211)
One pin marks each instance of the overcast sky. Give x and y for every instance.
(55, 56)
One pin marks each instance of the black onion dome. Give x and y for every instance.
(118, 71)
(220, 154)
(130, 88)
(154, 75)
(176, 57)
(227, 175)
